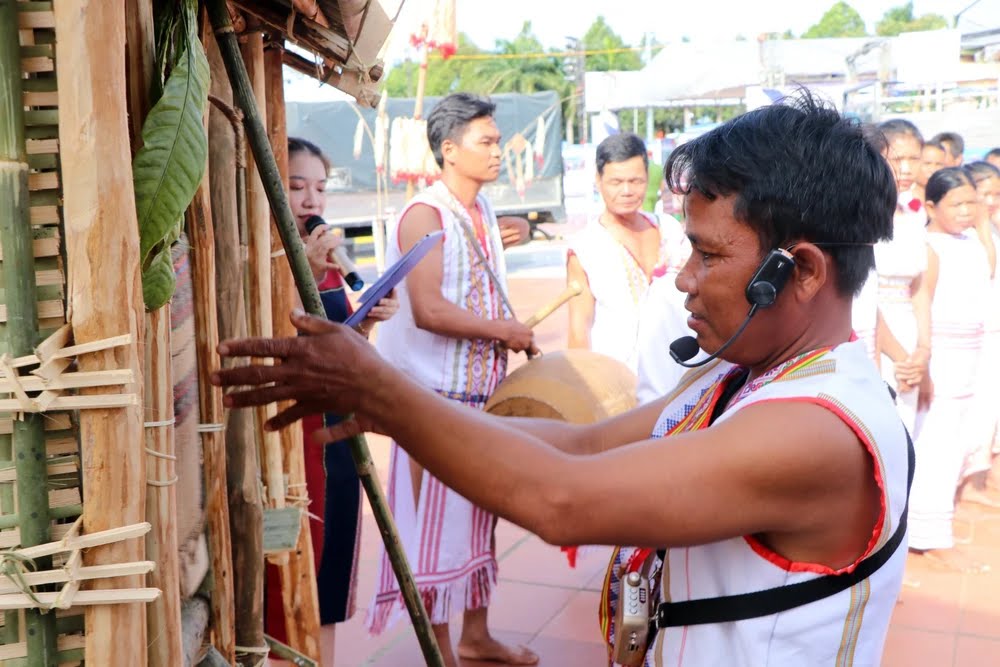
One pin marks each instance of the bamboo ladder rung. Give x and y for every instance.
(46, 310)
(48, 98)
(40, 146)
(58, 421)
(44, 180)
(20, 650)
(44, 215)
(66, 466)
(45, 247)
(34, 15)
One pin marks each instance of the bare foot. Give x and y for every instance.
(955, 561)
(491, 650)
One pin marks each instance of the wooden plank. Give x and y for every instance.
(20, 650)
(45, 247)
(53, 422)
(41, 98)
(83, 574)
(121, 596)
(54, 468)
(88, 402)
(70, 380)
(44, 215)
(10, 539)
(46, 309)
(36, 64)
(99, 213)
(43, 180)
(44, 278)
(32, 19)
(281, 529)
(38, 146)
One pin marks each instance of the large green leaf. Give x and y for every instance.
(169, 167)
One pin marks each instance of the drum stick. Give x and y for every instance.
(573, 289)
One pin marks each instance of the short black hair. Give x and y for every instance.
(299, 145)
(993, 152)
(619, 148)
(944, 181)
(980, 170)
(900, 127)
(936, 144)
(953, 141)
(799, 172)
(451, 116)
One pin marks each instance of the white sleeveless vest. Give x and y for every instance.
(460, 369)
(848, 628)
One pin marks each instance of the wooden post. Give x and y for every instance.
(243, 468)
(200, 233)
(259, 269)
(164, 613)
(299, 594)
(22, 323)
(309, 294)
(102, 232)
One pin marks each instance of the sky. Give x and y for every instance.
(553, 20)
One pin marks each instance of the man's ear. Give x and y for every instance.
(812, 271)
(448, 148)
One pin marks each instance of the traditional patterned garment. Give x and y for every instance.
(986, 400)
(844, 629)
(957, 316)
(899, 262)
(619, 285)
(448, 540)
(334, 492)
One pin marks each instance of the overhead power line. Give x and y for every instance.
(550, 54)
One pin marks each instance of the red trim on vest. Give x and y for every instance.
(799, 566)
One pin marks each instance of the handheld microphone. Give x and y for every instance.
(347, 268)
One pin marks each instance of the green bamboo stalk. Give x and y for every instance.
(22, 322)
(305, 283)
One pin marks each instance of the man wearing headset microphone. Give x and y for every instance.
(767, 492)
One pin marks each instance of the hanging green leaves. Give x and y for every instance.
(169, 167)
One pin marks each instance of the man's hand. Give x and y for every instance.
(513, 230)
(329, 368)
(517, 336)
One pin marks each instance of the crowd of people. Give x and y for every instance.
(879, 271)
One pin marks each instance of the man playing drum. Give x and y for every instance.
(781, 467)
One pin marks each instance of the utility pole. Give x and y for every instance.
(647, 56)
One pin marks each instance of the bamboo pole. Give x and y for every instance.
(22, 322)
(200, 233)
(259, 271)
(163, 615)
(102, 232)
(299, 594)
(309, 294)
(243, 468)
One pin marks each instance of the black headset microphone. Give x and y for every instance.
(762, 291)
(347, 268)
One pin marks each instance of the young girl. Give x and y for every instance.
(958, 274)
(331, 480)
(983, 423)
(903, 298)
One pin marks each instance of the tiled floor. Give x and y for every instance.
(942, 619)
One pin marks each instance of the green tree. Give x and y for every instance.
(600, 37)
(443, 76)
(510, 74)
(901, 19)
(841, 20)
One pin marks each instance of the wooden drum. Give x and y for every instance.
(576, 386)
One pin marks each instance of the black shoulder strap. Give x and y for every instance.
(774, 600)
